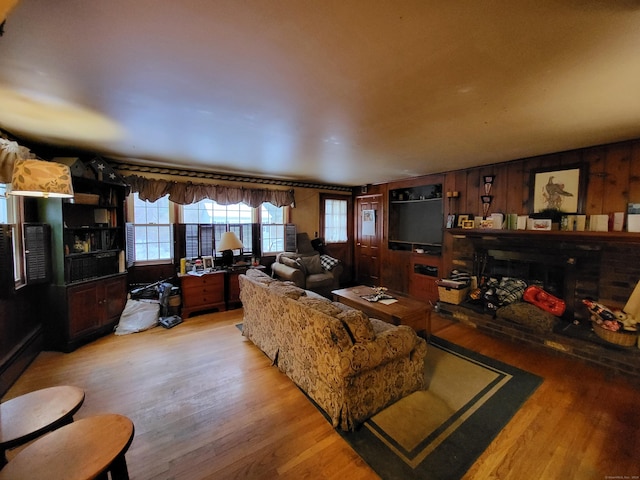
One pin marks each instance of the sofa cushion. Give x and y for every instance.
(358, 325)
(323, 305)
(259, 276)
(319, 280)
(312, 264)
(343, 306)
(287, 289)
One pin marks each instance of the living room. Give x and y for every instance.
(565, 430)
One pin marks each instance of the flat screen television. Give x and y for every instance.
(417, 222)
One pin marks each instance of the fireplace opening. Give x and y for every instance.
(535, 269)
(559, 271)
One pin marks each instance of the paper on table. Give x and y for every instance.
(388, 301)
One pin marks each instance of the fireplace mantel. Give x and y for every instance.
(549, 235)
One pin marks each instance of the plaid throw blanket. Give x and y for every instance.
(328, 262)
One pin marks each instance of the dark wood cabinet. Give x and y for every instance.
(426, 270)
(94, 307)
(89, 285)
(85, 310)
(233, 288)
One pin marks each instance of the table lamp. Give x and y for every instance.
(228, 242)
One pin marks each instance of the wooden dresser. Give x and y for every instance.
(204, 292)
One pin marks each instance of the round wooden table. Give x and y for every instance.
(30, 415)
(84, 449)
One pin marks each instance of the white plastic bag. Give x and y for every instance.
(138, 316)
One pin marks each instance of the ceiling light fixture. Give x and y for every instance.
(38, 178)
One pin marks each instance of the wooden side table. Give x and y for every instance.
(82, 450)
(30, 415)
(233, 284)
(202, 292)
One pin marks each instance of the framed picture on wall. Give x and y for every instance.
(560, 188)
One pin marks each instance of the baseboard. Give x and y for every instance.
(19, 359)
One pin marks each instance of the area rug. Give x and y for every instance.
(438, 433)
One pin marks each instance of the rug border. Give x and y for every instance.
(444, 462)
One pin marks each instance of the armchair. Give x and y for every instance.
(307, 268)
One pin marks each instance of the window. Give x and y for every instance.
(200, 228)
(149, 238)
(272, 225)
(10, 215)
(207, 220)
(208, 211)
(335, 220)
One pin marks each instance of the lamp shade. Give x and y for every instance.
(229, 241)
(37, 178)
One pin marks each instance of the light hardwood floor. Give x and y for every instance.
(206, 403)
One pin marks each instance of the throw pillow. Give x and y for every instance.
(289, 262)
(287, 290)
(328, 262)
(312, 264)
(324, 305)
(358, 325)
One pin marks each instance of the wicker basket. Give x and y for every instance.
(452, 295)
(622, 339)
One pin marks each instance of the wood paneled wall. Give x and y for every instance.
(613, 181)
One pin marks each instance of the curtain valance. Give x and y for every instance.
(184, 193)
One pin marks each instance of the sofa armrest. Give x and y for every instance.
(286, 273)
(388, 345)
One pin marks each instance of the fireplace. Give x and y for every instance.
(556, 272)
(569, 267)
(568, 271)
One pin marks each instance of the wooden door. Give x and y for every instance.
(369, 219)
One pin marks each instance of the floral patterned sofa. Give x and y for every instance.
(350, 365)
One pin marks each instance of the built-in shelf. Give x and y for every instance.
(420, 200)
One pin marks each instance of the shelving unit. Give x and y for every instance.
(415, 235)
(416, 218)
(89, 284)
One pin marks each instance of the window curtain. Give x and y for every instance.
(185, 193)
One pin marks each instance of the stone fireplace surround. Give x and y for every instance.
(570, 265)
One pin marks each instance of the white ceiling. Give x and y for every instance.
(346, 92)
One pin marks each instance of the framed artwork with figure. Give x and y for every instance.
(560, 188)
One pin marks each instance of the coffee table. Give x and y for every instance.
(85, 449)
(406, 311)
(30, 415)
